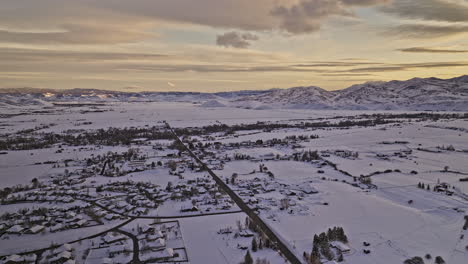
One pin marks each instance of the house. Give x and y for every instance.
(118, 249)
(185, 208)
(157, 244)
(340, 246)
(30, 258)
(14, 259)
(56, 228)
(109, 238)
(155, 236)
(227, 230)
(246, 233)
(62, 257)
(110, 216)
(167, 253)
(16, 229)
(107, 261)
(268, 187)
(36, 229)
(62, 248)
(308, 189)
(147, 229)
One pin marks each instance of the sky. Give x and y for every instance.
(225, 45)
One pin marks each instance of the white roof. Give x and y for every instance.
(340, 246)
(168, 252)
(36, 228)
(15, 228)
(107, 261)
(14, 258)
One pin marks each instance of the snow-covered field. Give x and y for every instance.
(399, 219)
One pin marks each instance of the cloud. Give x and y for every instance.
(133, 87)
(435, 10)
(121, 21)
(335, 64)
(306, 16)
(45, 55)
(431, 50)
(203, 68)
(236, 68)
(365, 2)
(76, 34)
(235, 39)
(426, 31)
(410, 66)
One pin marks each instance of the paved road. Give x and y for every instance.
(136, 246)
(284, 249)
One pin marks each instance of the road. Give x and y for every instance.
(283, 248)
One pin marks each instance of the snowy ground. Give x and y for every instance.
(396, 228)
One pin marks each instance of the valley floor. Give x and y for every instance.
(396, 182)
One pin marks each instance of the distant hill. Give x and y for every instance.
(414, 94)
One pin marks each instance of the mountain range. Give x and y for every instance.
(414, 94)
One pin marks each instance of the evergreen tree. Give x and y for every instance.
(248, 258)
(315, 255)
(439, 260)
(340, 257)
(254, 245)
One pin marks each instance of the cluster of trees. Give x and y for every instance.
(258, 243)
(124, 136)
(321, 246)
(422, 116)
(307, 156)
(249, 260)
(448, 148)
(421, 185)
(301, 137)
(419, 260)
(239, 156)
(365, 180)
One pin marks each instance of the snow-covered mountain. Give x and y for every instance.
(33, 96)
(413, 94)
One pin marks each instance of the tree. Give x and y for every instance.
(233, 178)
(439, 260)
(35, 182)
(172, 165)
(248, 258)
(414, 260)
(169, 187)
(315, 255)
(254, 245)
(340, 257)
